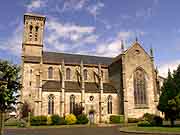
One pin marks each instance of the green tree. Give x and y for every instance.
(169, 102)
(9, 88)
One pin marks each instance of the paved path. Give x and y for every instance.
(65, 131)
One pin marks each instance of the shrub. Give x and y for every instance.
(116, 119)
(38, 120)
(43, 120)
(70, 119)
(82, 119)
(148, 117)
(49, 121)
(133, 120)
(57, 120)
(21, 123)
(157, 121)
(144, 124)
(153, 119)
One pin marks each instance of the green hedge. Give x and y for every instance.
(11, 122)
(116, 119)
(38, 120)
(133, 120)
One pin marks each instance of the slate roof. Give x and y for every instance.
(56, 58)
(72, 86)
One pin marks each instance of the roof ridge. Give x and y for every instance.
(78, 54)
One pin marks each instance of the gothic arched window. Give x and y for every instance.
(72, 103)
(30, 32)
(30, 28)
(36, 28)
(36, 33)
(51, 104)
(109, 104)
(85, 74)
(140, 97)
(50, 72)
(68, 74)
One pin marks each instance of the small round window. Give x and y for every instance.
(137, 52)
(91, 98)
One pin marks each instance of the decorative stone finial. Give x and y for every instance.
(157, 70)
(151, 52)
(136, 39)
(169, 71)
(122, 46)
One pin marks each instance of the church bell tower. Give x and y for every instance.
(33, 35)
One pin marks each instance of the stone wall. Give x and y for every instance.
(90, 72)
(88, 104)
(45, 102)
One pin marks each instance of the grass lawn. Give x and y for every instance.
(153, 129)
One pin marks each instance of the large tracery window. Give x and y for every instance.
(85, 74)
(51, 104)
(72, 103)
(109, 104)
(68, 74)
(140, 97)
(50, 72)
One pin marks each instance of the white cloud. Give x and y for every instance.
(113, 48)
(13, 43)
(74, 4)
(35, 4)
(172, 65)
(66, 33)
(95, 9)
(125, 35)
(77, 5)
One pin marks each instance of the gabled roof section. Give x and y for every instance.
(136, 43)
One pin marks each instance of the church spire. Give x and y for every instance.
(122, 46)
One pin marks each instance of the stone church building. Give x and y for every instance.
(53, 83)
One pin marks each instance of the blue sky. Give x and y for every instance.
(96, 27)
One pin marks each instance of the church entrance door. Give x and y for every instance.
(91, 117)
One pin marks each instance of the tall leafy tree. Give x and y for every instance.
(9, 88)
(169, 102)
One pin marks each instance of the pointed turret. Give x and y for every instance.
(151, 52)
(122, 46)
(136, 39)
(157, 70)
